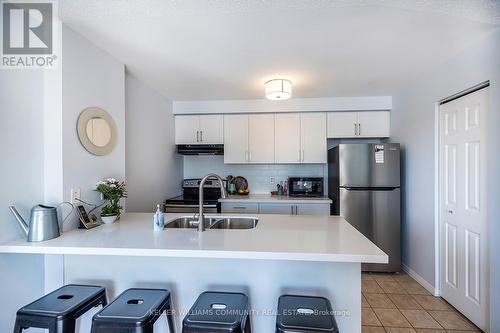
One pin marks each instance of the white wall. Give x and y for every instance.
(153, 168)
(413, 125)
(90, 77)
(21, 179)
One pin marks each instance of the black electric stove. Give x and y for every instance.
(188, 201)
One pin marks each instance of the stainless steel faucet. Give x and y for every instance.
(201, 225)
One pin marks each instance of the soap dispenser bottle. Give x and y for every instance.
(159, 219)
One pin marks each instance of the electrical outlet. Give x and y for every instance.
(75, 194)
(272, 180)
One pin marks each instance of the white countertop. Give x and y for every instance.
(276, 237)
(268, 198)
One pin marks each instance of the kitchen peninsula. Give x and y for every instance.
(314, 255)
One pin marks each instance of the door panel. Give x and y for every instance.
(376, 214)
(342, 124)
(313, 137)
(369, 165)
(463, 233)
(374, 124)
(270, 208)
(261, 138)
(186, 129)
(212, 129)
(235, 138)
(287, 138)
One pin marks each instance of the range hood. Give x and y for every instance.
(200, 149)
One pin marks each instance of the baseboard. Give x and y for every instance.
(420, 280)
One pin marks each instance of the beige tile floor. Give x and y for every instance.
(396, 303)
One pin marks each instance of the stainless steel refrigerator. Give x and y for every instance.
(364, 185)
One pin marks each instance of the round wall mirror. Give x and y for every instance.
(96, 131)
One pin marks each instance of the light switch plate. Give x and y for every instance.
(75, 194)
(272, 180)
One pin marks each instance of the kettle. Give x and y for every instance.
(44, 223)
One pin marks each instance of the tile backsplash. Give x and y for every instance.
(258, 175)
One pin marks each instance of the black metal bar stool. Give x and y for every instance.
(305, 314)
(134, 311)
(216, 312)
(59, 310)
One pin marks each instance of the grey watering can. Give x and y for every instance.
(43, 224)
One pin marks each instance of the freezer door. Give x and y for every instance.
(376, 214)
(369, 165)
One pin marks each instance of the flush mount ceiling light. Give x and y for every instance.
(278, 89)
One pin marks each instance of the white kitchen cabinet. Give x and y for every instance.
(300, 138)
(313, 137)
(249, 138)
(199, 129)
(312, 209)
(187, 129)
(212, 129)
(261, 138)
(287, 138)
(374, 124)
(244, 208)
(236, 138)
(276, 208)
(342, 124)
(365, 124)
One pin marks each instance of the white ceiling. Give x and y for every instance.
(223, 49)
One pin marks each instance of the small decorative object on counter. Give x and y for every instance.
(112, 190)
(280, 188)
(285, 187)
(158, 219)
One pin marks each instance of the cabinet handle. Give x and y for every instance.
(359, 129)
(201, 136)
(291, 210)
(296, 210)
(355, 129)
(239, 207)
(249, 156)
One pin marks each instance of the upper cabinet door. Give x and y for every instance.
(287, 138)
(342, 124)
(212, 129)
(261, 138)
(187, 130)
(374, 124)
(313, 137)
(236, 138)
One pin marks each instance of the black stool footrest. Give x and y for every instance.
(305, 314)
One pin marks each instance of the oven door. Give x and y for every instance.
(187, 208)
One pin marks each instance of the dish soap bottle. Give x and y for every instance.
(159, 219)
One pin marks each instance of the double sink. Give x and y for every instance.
(214, 222)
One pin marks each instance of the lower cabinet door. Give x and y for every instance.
(272, 208)
(312, 209)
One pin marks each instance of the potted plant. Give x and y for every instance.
(112, 190)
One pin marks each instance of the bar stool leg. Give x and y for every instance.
(18, 328)
(170, 317)
(62, 327)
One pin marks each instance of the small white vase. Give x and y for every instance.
(109, 219)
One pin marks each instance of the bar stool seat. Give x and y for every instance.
(59, 310)
(305, 314)
(215, 312)
(135, 310)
